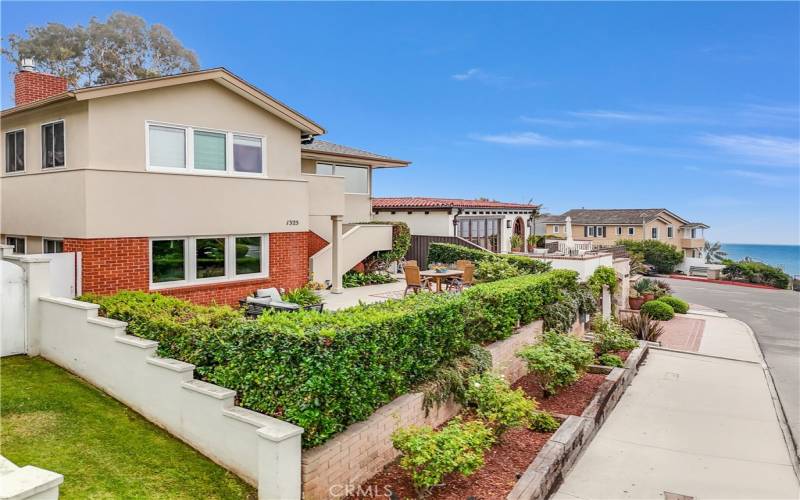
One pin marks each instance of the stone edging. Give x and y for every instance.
(546, 473)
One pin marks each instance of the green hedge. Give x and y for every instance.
(326, 371)
(678, 305)
(658, 310)
(757, 272)
(662, 256)
(448, 253)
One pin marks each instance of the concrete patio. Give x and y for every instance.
(364, 294)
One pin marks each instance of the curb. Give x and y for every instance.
(721, 282)
(547, 471)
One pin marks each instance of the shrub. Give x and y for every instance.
(326, 371)
(428, 455)
(603, 275)
(516, 241)
(575, 351)
(449, 253)
(642, 326)
(495, 270)
(303, 296)
(661, 288)
(495, 401)
(353, 279)
(610, 360)
(550, 367)
(757, 272)
(662, 256)
(609, 336)
(658, 310)
(401, 242)
(678, 305)
(450, 379)
(561, 315)
(544, 422)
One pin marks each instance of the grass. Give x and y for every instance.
(56, 421)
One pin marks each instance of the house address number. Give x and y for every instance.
(292, 222)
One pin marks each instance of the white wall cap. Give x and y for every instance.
(28, 481)
(136, 341)
(278, 430)
(171, 364)
(75, 304)
(257, 420)
(109, 322)
(212, 390)
(29, 258)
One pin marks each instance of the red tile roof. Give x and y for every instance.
(415, 202)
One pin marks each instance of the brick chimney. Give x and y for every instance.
(30, 86)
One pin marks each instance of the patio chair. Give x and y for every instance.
(414, 281)
(462, 264)
(266, 298)
(410, 263)
(459, 283)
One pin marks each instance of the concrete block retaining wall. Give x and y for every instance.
(364, 448)
(262, 450)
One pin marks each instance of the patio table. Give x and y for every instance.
(450, 273)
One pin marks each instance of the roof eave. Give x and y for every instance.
(372, 160)
(64, 96)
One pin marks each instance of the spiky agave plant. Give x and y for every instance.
(642, 326)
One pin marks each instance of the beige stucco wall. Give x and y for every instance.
(639, 232)
(434, 223)
(76, 119)
(45, 204)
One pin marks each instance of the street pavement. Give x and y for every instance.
(699, 424)
(774, 316)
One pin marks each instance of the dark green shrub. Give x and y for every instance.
(429, 455)
(610, 360)
(658, 310)
(353, 279)
(662, 256)
(757, 272)
(303, 296)
(609, 336)
(575, 351)
(448, 253)
(550, 367)
(495, 270)
(603, 275)
(572, 301)
(450, 379)
(678, 305)
(493, 400)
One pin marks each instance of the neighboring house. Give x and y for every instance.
(197, 185)
(489, 224)
(605, 227)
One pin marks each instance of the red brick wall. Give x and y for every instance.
(114, 264)
(30, 86)
(315, 243)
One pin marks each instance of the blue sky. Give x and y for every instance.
(689, 106)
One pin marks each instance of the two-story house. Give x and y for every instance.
(197, 185)
(604, 227)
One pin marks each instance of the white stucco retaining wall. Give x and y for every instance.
(262, 450)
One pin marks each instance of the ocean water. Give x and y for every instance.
(786, 257)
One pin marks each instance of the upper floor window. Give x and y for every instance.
(18, 242)
(669, 231)
(619, 230)
(356, 179)
(556, 228)
(654, 233)
(53, 144)
(694, 232)
(15, 151)
(203, 151)
(631, 231)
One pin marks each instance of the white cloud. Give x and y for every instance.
(765, 179)
(555, 122)
(493, 79)
(468, 75)
(756, 149)
(535, 140)
(627, 116)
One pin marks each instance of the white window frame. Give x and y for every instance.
(693, 233)
(592, 231)
(556, 229)
(670, 232)
(653, 233)
(335, 165)
(44, 244)
(24, 242)
(631, 231)
(190, 261)
(24, 150)
(188, 168)
(619, 230)
(42, 143)
(598, 231)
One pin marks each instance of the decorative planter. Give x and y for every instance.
(635, 302)
(649, 296)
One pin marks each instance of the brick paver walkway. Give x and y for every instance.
(682, 333)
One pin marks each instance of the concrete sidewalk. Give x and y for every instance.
(693, 424)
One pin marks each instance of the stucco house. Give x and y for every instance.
(197, 185)
(487, 223)
(603, 227)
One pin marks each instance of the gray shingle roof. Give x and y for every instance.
(329, 147)
(607, 216)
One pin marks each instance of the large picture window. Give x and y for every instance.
(186, 149)
(15, 151)
(180, 261)
(483, 232)
(356, 179)
(53, 154)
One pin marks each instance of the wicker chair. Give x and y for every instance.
(458, 284)
(414, 281)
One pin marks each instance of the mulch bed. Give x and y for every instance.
(571, 400)
(503, 464)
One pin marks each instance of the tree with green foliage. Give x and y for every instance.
(121, 48)
(662, 256)
(714, 253)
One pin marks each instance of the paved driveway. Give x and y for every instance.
(774, 316)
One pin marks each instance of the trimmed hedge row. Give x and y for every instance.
(326, 371)
(448, 253)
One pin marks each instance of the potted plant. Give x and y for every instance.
(516, 243)
(635, 300)
(645, 288)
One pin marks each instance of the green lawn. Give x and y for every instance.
(54, 420)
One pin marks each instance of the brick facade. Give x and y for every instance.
(113, 264)
(30, 86)
(315, 243)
